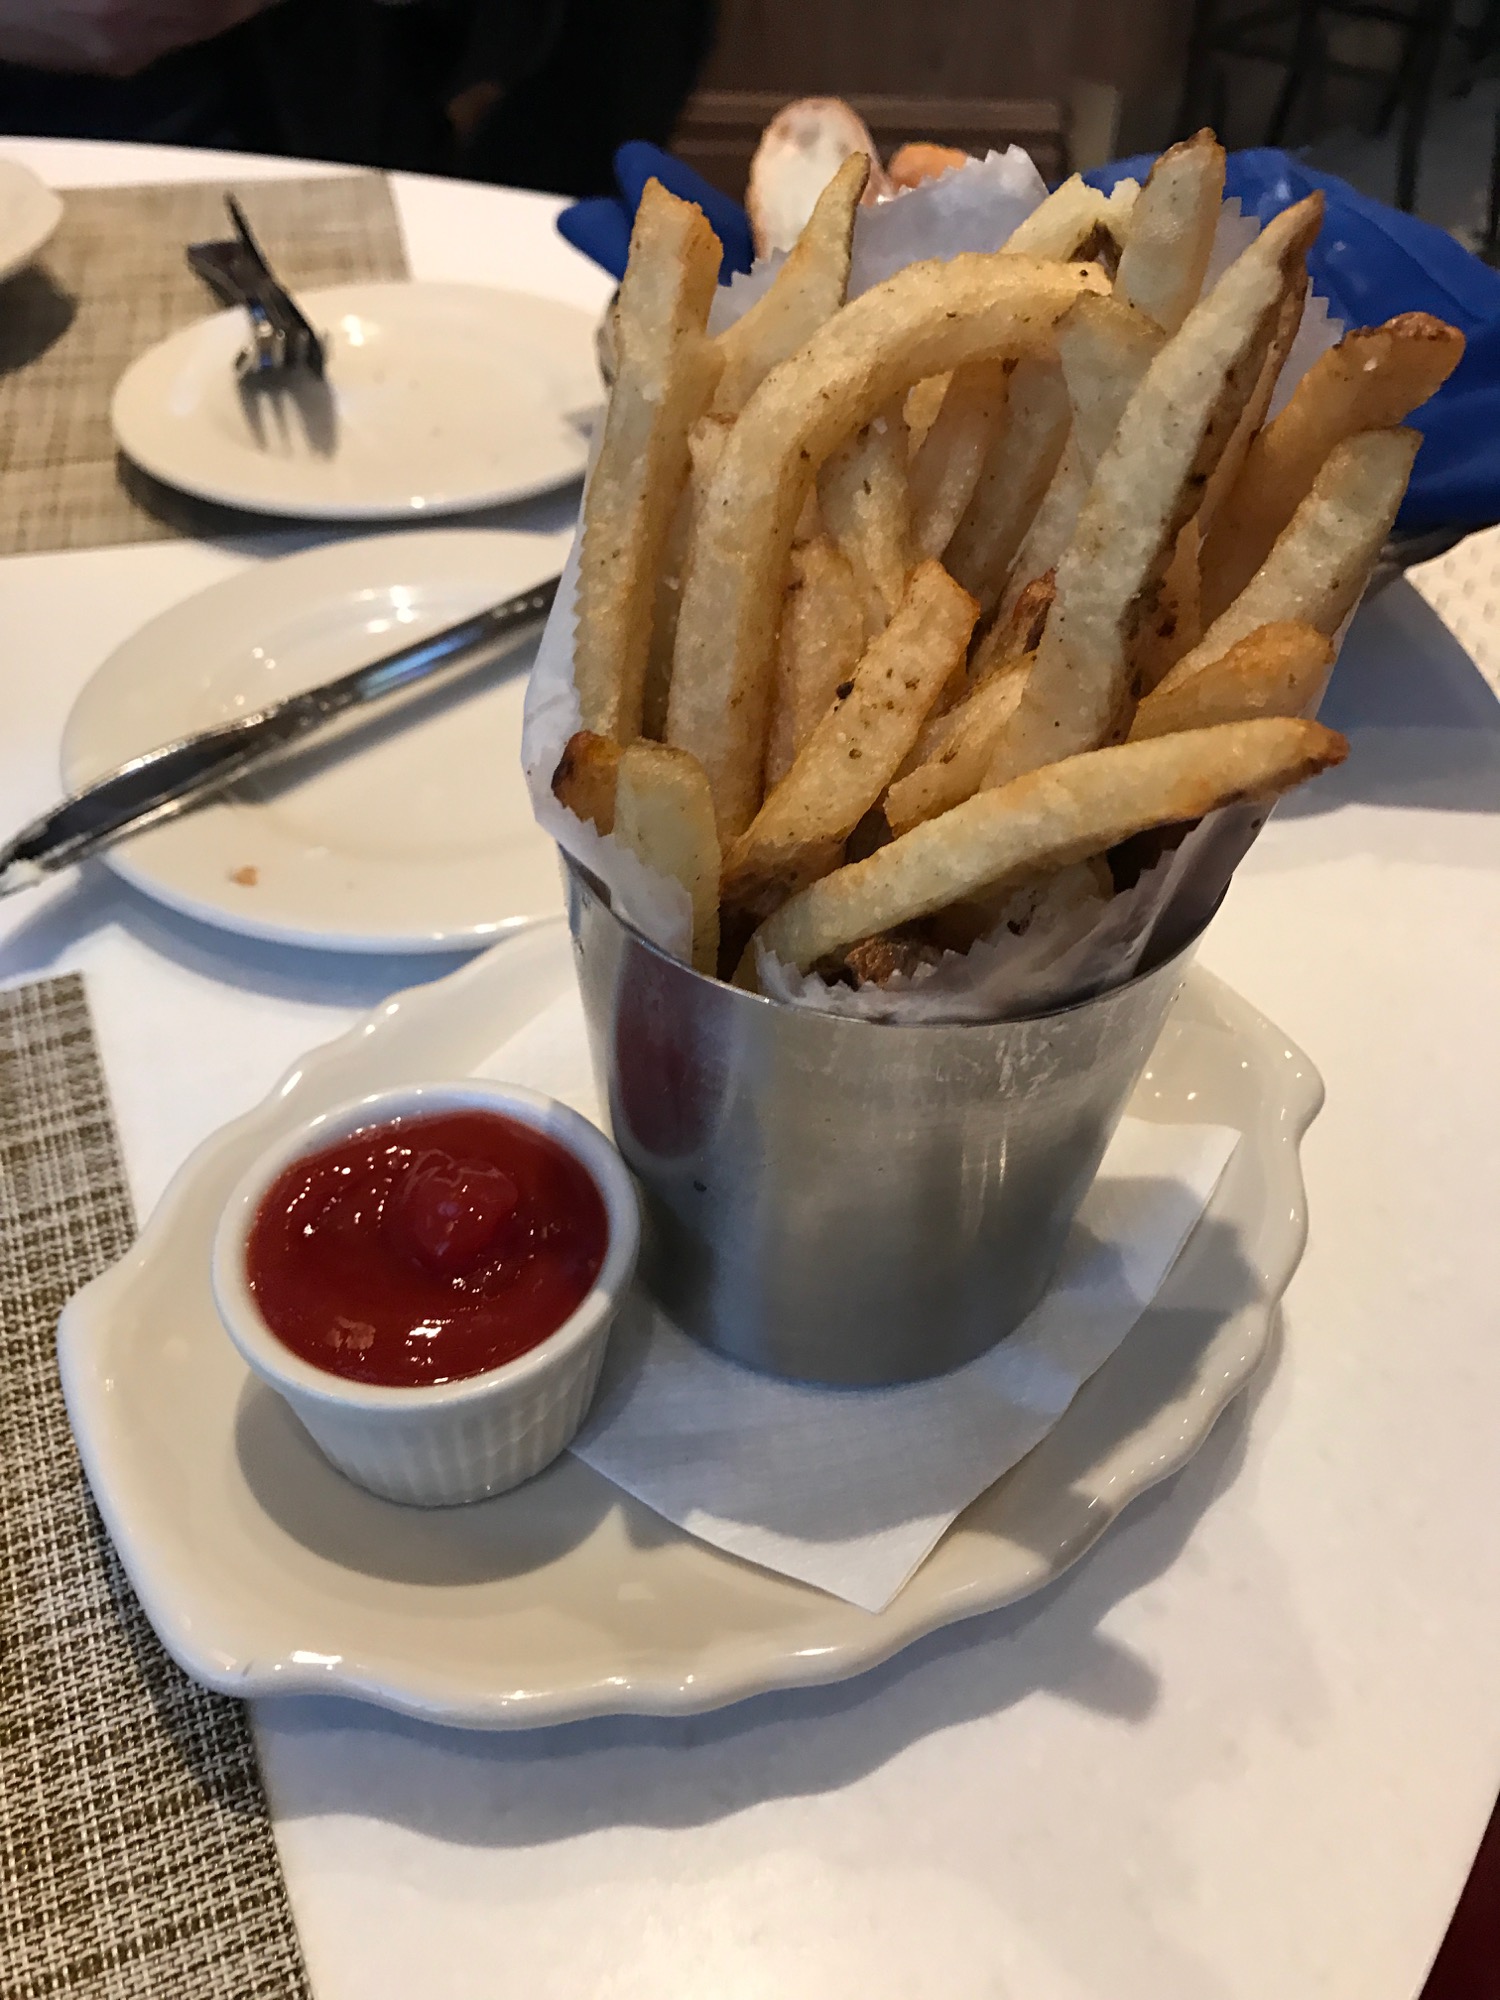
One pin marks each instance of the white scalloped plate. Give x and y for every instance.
(263, 1571)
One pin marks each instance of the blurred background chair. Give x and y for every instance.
(1311, 44)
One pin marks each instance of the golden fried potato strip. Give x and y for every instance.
(1227, 471)
(1374, 378)
(1033, 432)
(1105, 348)
(665, 373)
(945, 467)
(1147, 485)
(926, 320)
(1064, 223)
(705, 443)
(664, 813)
(865, 503)
(848, 759)
(962, 744)
(808, 289)
(1171, 231)
(1321, 562)
(1278, 669)
(1019, 632)
(1171, 623)
(1047, 819)
(822, 637)
(585, 778)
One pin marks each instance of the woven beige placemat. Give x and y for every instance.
(136, 1856)
(112, 282)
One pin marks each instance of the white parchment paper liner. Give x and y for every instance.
(975, 207)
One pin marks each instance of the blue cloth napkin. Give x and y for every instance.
(1369, 262)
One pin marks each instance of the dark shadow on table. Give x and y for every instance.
(300, 408)
(843, 1731)
(35, 312)
(439, 1546)
(327, 1757)
(245, 532)
(96, 899)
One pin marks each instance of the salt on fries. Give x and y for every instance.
(934, 597)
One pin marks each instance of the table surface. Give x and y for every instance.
(1245, 1749)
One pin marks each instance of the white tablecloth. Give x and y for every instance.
(1245, 1750)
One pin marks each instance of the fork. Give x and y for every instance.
(236, 270)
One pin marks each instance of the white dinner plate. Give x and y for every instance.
(415, 832)
(264, 1571)
(29, 212)
(435, 398)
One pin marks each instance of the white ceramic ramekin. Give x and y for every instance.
(451, 1442)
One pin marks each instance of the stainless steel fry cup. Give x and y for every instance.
(845, 1201)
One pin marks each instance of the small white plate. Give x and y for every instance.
(436, 398)
(264, 1572)
(29, 212)
(417, 833)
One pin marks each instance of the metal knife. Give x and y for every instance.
(160, 784)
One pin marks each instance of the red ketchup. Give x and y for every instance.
(427, 1249)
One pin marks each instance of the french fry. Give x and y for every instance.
(1122, 200)
(1105, 348)
(665, 373)
(705, 443)
(585, 778)
(1171, 232)
(1016, 474)
(946, 465)
(847, 761)
(1374, 378)
(664, 814)
(1047, 819)
(928, 319)
(1276, 670)
(959, 754)
(1171, 623)
(865, 502)
(919, 160)
(1079, 694)
(1321, 562)
(1227, 471)
(1019, 632)
(808, 289)
(923, 401)
(822, 637)
(1064, 223)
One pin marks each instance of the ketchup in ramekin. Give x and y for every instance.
(426, 1250)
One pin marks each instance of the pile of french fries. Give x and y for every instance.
(897, 614)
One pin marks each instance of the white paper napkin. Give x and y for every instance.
(850, 1489)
